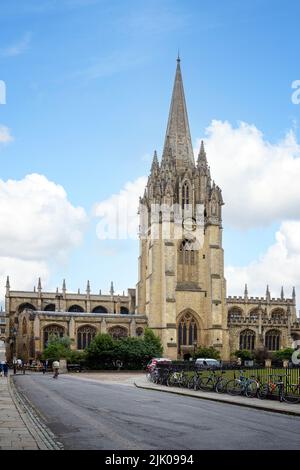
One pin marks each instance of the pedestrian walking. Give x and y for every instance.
(55, 367)
(5, 369)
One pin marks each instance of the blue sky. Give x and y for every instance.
(88, 92)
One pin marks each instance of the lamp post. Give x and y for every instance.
(14, 339)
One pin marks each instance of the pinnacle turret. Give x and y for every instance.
(202, 160)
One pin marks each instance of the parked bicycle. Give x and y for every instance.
(290, 393)
(243, 385)
(213, 382)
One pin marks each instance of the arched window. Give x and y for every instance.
(124, 311)
(26, 306)
(52, 330)
(118, 332)
(272, 340)
(185, 195)
(99, 309)
(85, 334)
(187, 252)
(50, 308)
(187, 331)
(139, 331)
(24, 327)
(234, 314)
(75, 308)
(277, 314)
(247, 340)
(253, 315)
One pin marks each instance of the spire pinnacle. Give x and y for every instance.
(282, 293)
(64, 288)
(7, 283)
(202, 161)
(246, 291)
(112, 291)
(294, 294)
(88, 288)
(178, 137)
(39, 285)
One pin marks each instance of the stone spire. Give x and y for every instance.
(282, 293)
(246, 292)
(155, 164)
(39, 285)
(88, 288)
(202, 160)
(7, 285)
(112, 291)
(268, 295)
(294, 295)
(178, 137)
(64, 288)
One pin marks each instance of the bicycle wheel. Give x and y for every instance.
(263, 391)
(206, 384)
(291, 394)
(221, 386)
(251, 389)
(234, 387)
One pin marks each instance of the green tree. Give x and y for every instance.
(207, 353)
(244, 354)
(283, 354)
(57, 348)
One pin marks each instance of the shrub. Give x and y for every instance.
(283, 354)
(207, 353)
(244, 354)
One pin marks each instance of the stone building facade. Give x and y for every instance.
(181, 289)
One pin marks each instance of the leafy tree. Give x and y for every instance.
(244, 354)
(283, 354)
(207, 353)
(57, 348)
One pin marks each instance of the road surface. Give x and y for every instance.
(93, 414)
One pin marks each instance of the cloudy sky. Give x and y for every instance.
(88, 88)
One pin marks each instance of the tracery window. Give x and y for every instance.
(52, 330)
(187, 252)
(247, 340)
(185, 195)
(187, 330)
(118, 332)
(272, 340)
(85, 335)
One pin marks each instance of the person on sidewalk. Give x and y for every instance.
(5, 369)
(55, 367)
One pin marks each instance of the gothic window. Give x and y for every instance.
(185, 195)
(52, 330)
(253, 315)
(50, 308)
(187, 331)
(247, 340)
(139, 331)
(26, 306)
(118, 332)
(124, 311)
(24, 327)
(85, 335)
(272, 340)
(187, 252)
(99, 309)
(277, 314)
(75, 308)
(234, 314)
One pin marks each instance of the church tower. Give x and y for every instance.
(181, 285)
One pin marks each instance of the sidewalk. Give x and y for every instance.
(266, 405)
(14, 433)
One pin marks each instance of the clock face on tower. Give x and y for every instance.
(189, 224)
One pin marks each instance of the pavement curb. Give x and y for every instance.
(43, 436)
(219, 400)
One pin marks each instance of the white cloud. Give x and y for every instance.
(17, 48)
(279, 265)
(118, 213)
(259, 180)
(5, 135)
(38, 226)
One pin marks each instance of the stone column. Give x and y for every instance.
(72, 333)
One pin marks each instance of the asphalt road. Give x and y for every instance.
(88, 414)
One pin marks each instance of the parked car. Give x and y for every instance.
(156, 361)
(206, 363)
